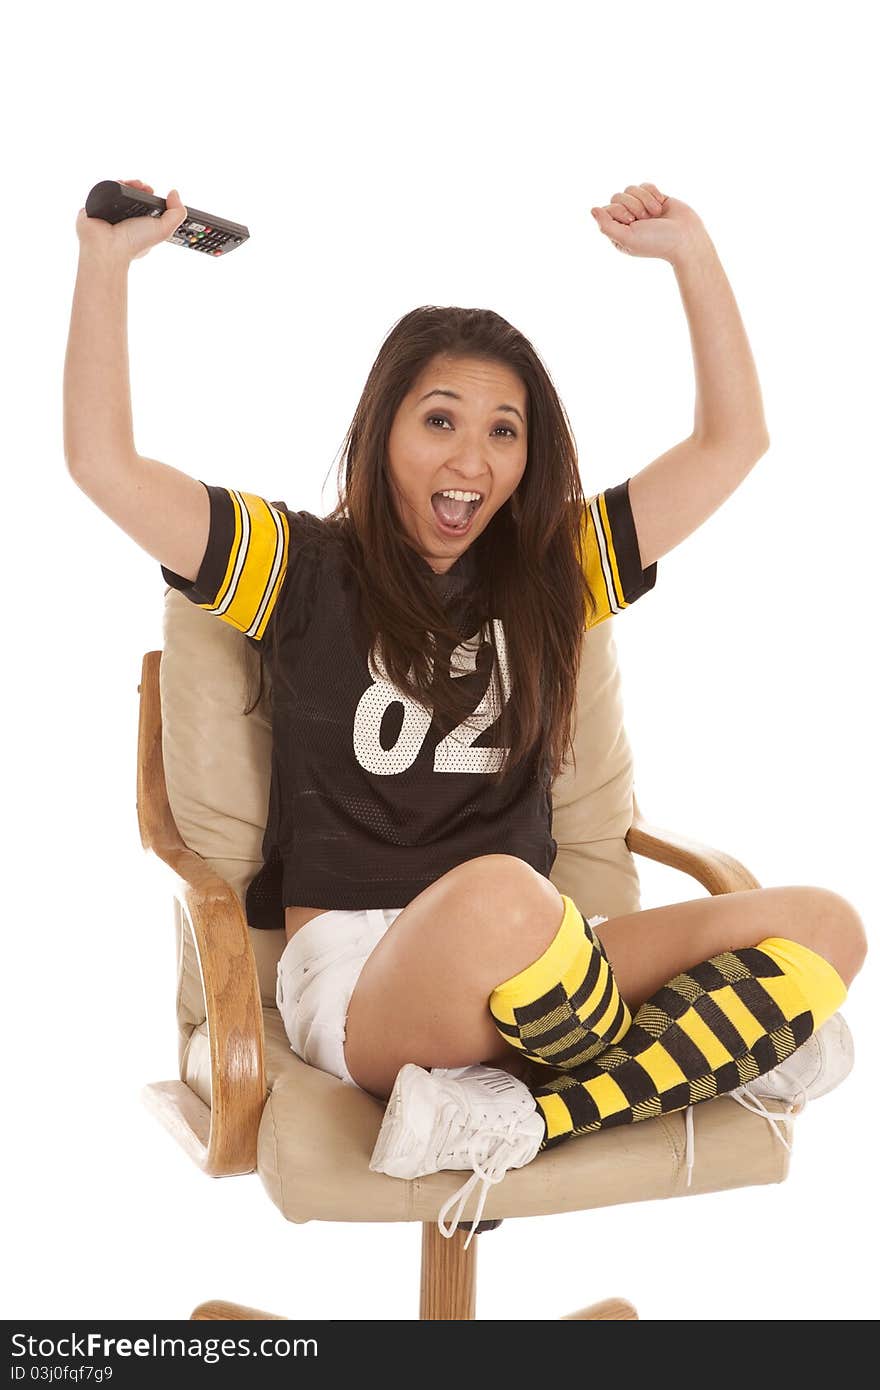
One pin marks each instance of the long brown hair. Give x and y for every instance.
(529, 560)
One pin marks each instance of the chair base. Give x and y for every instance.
(218, 1311)
(616, 1309)
(448, 1288)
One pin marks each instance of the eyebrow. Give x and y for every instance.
(441, 391)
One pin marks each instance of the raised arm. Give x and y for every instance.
(678, 491)
(164, 510)
(681, 489)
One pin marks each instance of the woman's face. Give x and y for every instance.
(471, 437)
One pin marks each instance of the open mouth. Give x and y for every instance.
(454, 515)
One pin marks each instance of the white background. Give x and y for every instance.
(383, 157)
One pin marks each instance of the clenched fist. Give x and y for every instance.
(645, 222)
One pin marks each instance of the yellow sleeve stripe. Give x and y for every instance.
(602, 569)
(256, 564)
(611, 557)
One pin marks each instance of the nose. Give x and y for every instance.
(469, 463)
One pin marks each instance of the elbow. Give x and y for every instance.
(72, 455)
(754, 436)
(79, 474)
(754, 446)
(75, 470)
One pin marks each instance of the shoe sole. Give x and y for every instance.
(831, 1053)
(838, 1056)
(391, 1154)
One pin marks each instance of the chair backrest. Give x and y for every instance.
(218, 763)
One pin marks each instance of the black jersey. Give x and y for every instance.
(369, 800)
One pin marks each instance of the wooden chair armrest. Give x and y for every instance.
(224, 1142)
(717, 871)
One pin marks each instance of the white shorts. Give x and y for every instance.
(317, 973)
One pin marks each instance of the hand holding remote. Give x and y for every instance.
(134, 236)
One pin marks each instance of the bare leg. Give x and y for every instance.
(423, 994)
(646, 949)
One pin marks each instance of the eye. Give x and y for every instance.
(511, 432)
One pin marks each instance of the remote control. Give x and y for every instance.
(201, 231)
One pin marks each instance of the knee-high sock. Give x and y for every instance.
(565, 1007)
(710, 1029)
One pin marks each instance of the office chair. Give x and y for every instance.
(245, 1101)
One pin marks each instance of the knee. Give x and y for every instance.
(513, 901)
(514, 888)
(838, 932)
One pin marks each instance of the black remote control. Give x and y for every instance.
(201, 231)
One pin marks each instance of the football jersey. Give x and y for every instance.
(370, 800)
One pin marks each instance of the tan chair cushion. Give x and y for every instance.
(317, 1135)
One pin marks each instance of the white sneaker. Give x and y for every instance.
(817, 1066)
(814, 1068)
(460, 1117)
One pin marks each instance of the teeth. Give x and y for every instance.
(460, 496)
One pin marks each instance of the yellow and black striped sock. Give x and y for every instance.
(565, 1007)
(710, 1029)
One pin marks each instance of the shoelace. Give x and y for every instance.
(491, 1170)
(757, 1107)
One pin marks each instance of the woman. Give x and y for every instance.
(424, 642)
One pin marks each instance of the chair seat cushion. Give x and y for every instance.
(317, 1135)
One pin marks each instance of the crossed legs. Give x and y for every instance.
(435, 991)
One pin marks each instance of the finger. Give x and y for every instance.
(661, 197)
(611, 226)
(643, 193)
(620, 211)
(639, 201)
(176, 213)
(631, 204)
